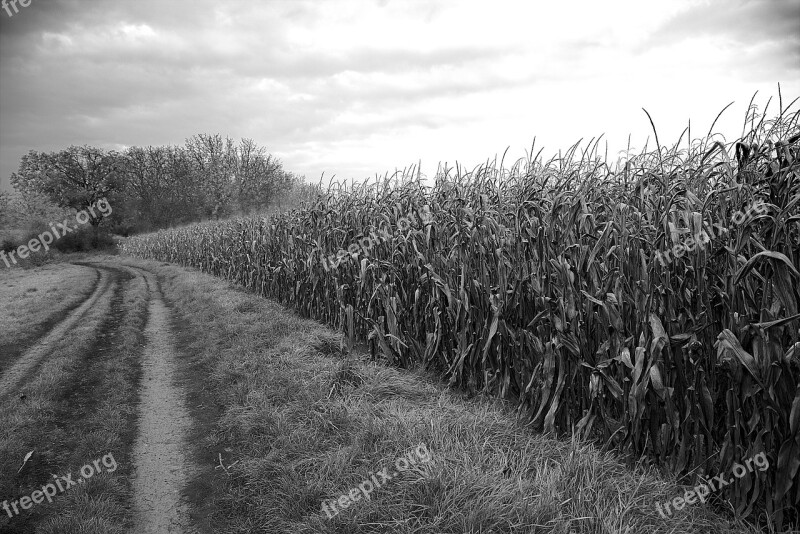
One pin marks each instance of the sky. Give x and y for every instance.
(355, 89)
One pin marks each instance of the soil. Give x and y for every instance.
(160, 450)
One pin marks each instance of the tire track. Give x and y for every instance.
(161, 466)
(11, 350)
(25, 363)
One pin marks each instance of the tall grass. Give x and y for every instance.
(539, 284)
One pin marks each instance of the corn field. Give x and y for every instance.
(539, 284)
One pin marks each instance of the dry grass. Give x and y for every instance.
(33, 300)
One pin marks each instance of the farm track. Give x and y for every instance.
(162, 469)
(38, 350)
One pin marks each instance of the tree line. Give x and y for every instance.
(210, 177)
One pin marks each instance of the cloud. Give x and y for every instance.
(755, 39)
(352, 87)
(743, 22)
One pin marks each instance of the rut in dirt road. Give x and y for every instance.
(162, 468)
(31, 357)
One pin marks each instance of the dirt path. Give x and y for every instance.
(40, 349)
(162, 468)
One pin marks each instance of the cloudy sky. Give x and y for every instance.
(354, 88)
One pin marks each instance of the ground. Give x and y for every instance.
(199, 407)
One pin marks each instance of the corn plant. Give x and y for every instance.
(541, 284)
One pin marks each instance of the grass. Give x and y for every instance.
(78, 406)
(34, 300)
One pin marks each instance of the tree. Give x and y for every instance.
(73, 178)
(214, 169)
(5, 209)
(160, 189)
(260, 177)
(234, 178)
